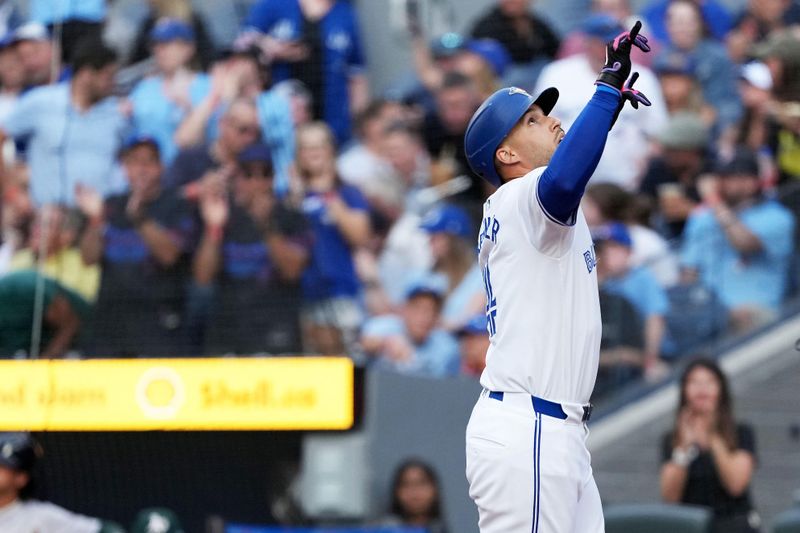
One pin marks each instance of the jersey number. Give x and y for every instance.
(491, 302)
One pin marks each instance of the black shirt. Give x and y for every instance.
(138, 294)
(540, 41)
(189, 165)
(703, 485)
(256, 311)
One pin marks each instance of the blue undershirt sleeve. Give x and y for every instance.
(564, 180)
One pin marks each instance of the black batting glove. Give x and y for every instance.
(618, 57)
(629, 94)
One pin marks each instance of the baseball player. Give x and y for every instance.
(18, 513)
(527, 462)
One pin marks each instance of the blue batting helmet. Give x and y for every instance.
(492, 123)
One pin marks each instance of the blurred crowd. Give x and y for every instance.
(179, 198)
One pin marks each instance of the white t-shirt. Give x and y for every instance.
(43, 517)
(541, 284)
(650, 250)
(627, 150)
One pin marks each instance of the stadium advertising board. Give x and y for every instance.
(177, 394)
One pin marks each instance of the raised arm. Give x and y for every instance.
(562, 184)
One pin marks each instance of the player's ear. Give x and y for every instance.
(506, 155)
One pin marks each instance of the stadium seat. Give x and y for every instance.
(787, 522)
(657, 518)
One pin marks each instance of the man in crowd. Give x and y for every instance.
(141, 240)
(254, 248)
(740, 245)
(74, 129)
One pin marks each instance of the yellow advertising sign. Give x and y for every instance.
(305, 393)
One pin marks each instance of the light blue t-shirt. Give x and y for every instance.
(277, 127)
(157, 116)
(437, 357)
(50, 11)
(453, 310)
(642, 290)
(740, 280)
(67, 146)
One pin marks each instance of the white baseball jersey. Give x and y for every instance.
(43, 517)
(543, 307)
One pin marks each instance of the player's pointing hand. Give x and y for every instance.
(618, 57)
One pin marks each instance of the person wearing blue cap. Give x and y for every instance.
(473, 339)
(173, 9)
(637, 285)
(161, 101)
(410, 342)
(252, 253)
(452, 245)
(628, 146)
(142, 241)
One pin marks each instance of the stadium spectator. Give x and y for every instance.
(19, 453)
(625, 156)
(404, 149)
(621, 344)
(141, 240)
(679, 85)
(485, 62)
(74, 129)
(452, 243)
(12, 77)
(238, 129)
(714, 70)
(708, 458)
(62, 312)
(317, 42)
(254, 249)
(161, 101)
(299, 98)
(339, 220)
(755, 86)
(714, 17)
(410, 342)
(36, 53)
(240, 74)
(616, 276)
(473, 340)
(364, 166)
(173, 9)
(416, 500)
(741, 243)
(54, 234)
(529, 40)
(432, 61)
(604, 203)
(670, 181)
(444, 129)
(756, 22)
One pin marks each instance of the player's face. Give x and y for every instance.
(532, 142)
(11, 481)
(416, 492)
(702, 391)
